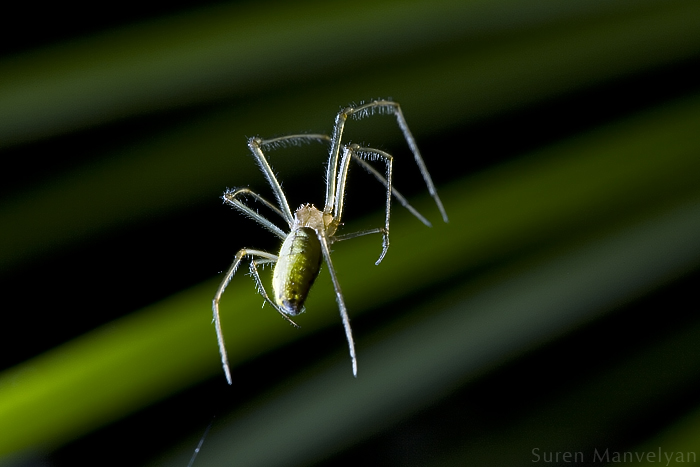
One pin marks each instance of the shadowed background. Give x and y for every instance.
(556, 312)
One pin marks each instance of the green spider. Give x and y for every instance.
(311, 231)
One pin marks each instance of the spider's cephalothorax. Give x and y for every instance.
(312, 231)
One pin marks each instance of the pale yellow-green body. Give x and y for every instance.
(296, 269)
(300, 258)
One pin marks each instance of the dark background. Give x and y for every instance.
(71, 285)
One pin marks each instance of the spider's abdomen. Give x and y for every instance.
(296, 269)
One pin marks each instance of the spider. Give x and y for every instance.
(311, 231)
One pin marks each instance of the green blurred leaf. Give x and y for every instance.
(470, 79)
(171, 345)
(613, 210)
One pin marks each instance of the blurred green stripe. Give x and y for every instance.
(683, 437)
(238, 49)
(629, 387)
(635, 167)
(193, 162)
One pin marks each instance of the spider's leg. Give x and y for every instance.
(256, 144)
(242, 253)
(359, 233)
(390, 107)
(399, 197)
(261, 289)
(357, 152)
(231, 197)
(340, 300)
(294, 140)
(255, 147)
(332, 169)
